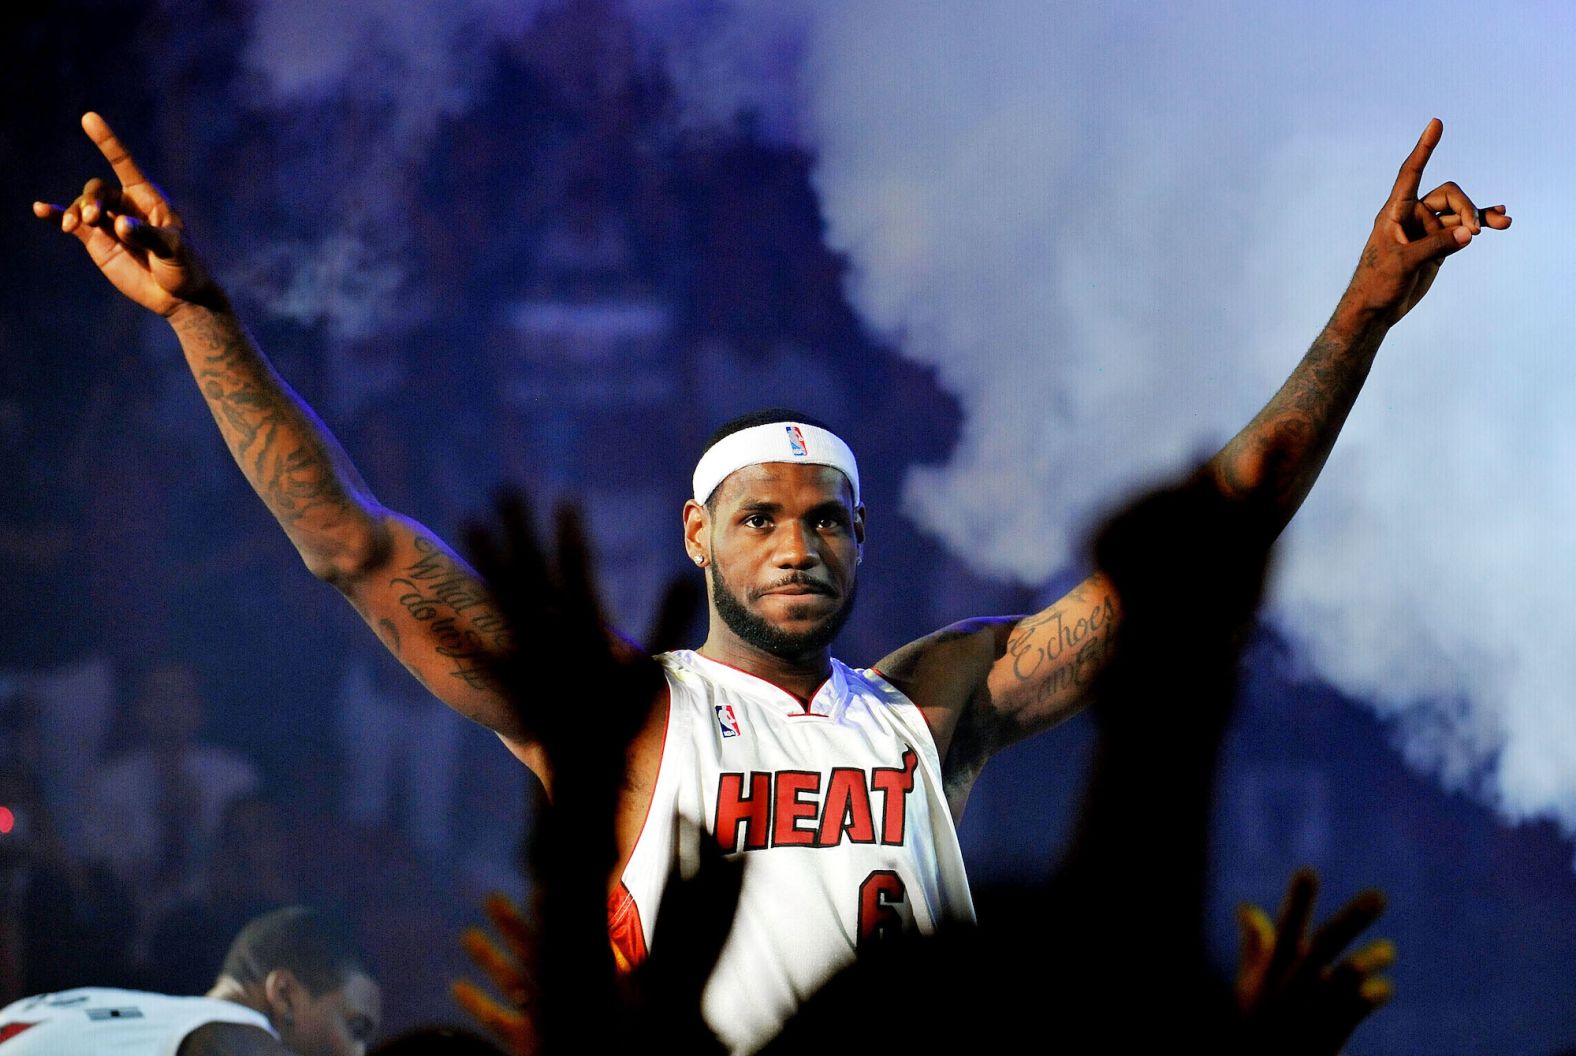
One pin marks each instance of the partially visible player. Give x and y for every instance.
(292, 983)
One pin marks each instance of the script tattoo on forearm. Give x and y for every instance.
(274, 438)
(1060, 651)
(457, 615)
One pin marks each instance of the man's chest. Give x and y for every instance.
(772, 772)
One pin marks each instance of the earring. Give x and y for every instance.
(700, 559)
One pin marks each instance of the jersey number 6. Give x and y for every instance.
(879, 895)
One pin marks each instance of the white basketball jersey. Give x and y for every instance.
(96, 1021)
(838, 810)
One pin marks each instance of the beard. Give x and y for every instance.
(757, 631)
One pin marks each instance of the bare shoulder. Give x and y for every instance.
(230, 1039)
(944, 672)
(986, 682)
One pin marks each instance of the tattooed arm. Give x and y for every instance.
(1275, 459)
(985, 683)
(423, 601)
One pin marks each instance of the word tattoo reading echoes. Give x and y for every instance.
(1072, 650)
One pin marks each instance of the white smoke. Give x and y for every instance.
(732, 58)
(1113, 232)
(364, 86)
(1113, 229)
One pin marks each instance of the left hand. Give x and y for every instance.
(1412, 236)
(551, 604)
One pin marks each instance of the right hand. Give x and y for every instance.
(510, 969)
(131, 232)
(1412, 236)
(1294, 997)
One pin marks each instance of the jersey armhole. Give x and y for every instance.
(874, 676)
(624, 891)
(656, 781)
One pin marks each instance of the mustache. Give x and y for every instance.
(795, 579)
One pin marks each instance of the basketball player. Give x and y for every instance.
(291, 983)
(840, 786)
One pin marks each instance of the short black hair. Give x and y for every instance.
(317, 949)
(762, 417)
(766, 416)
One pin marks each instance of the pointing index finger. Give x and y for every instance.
(115, 153)
(1410, 178)
(1411, 175)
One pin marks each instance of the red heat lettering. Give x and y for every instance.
(783, 808)
(895, 782)
(752, 811)
(847, 809)
(790, 808)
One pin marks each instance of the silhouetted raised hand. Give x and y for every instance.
(1295, 997)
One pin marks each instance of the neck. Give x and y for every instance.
(227, 989)
(799, 675)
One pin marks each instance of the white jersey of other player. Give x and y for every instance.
(96, 1021)
(837, 807)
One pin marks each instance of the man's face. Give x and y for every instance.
(336, 1022)
(784, 541)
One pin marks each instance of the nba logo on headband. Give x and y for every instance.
(760, 444)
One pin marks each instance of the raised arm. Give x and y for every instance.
(986, 683)
(425, 603)
(1274, 460)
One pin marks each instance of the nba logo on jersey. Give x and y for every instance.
(725, 719)
(796, 441)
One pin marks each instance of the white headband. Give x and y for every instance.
(774, 442)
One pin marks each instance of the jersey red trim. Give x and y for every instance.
(803, 704)
(924, 716)
(624, 930)
(614, 904)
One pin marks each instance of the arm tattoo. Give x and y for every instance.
(459, 619)
(288, 456)
(1279, 453)
(1059, 652)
